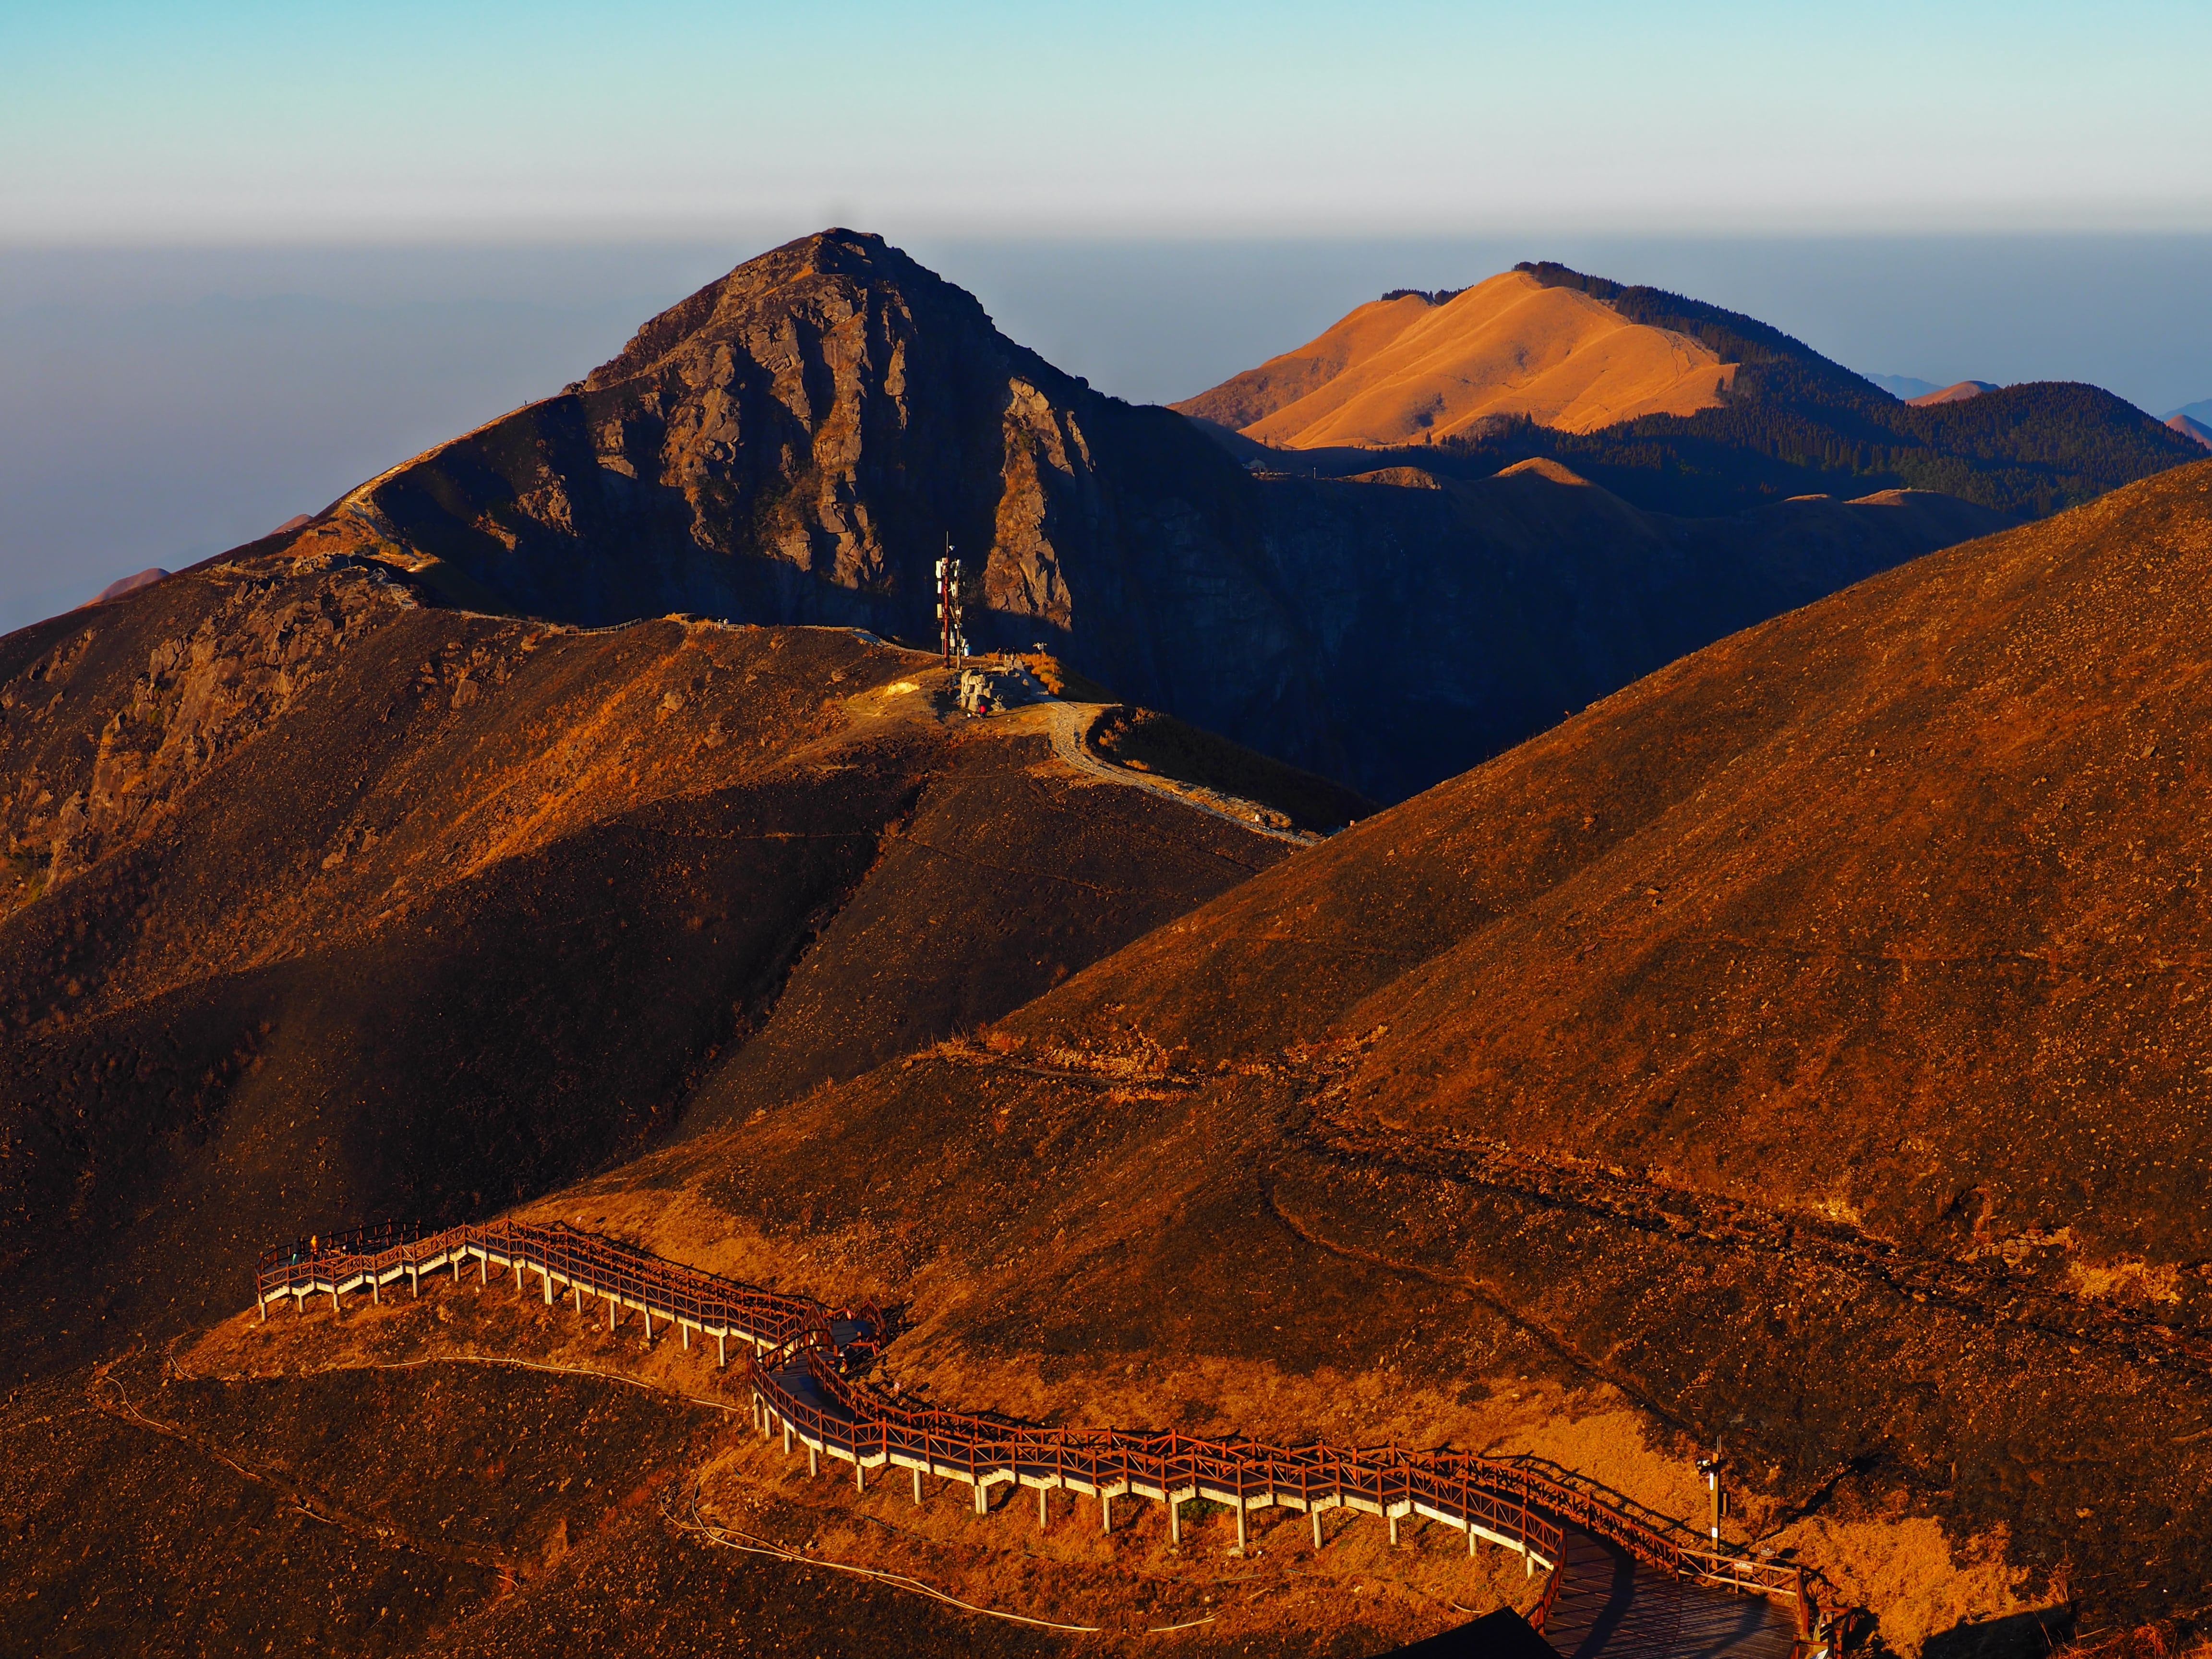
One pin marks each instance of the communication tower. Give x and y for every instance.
(951, 642)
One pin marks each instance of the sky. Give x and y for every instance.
(247, 120)
(253, 253)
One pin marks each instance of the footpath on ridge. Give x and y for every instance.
(1616, 1585)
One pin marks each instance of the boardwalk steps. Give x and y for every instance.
(800, 1357)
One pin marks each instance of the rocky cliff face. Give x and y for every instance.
(798, 442)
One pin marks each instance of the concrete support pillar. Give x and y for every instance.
(453, 1257)
(1044, 1515)
(611, 1313)
(685, 1331)
(1470, 1541)
(376, 1290)
(648, 1311)
(1315, 1513)
(1527, 1563)
(721, 1354)
(300, 1304)
(1240, 1526)
(262, 1302)
(518, 1276)
(414, 1280)
(1393, 1531)
(813, 1461)
(483, 1270)
(335, 1309)
(859, 1475)
(787, 1437)
(546, 1274)
(579, 1290)
(982, 1497)
(917, 1488)
(1105, 1511)
(1175, 1519)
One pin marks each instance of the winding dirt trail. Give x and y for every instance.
(1070, 724)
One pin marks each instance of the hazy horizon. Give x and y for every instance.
(161, 406)
(252, 254)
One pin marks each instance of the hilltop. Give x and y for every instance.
(316, 900)
(1418, 368)
(1673, 405)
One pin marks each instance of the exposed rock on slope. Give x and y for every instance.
(1802, 1048)
(796, 442)
(1408, 370)
(322, 903)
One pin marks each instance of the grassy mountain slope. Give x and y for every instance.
(1406, 370)
(1788, 423)
(1796, 423)
(327, 903)
(1800, 1049)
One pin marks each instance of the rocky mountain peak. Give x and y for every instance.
(833, 271)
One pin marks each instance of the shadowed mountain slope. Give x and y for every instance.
(322, 903)
(796, 443)
(1802, 1048)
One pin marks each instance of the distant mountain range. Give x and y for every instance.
(799, 441)
(1908, 388)
(2193, 420)
(1902, 387)
(1957, 392)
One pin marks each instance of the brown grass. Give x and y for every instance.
(1406, 373)
(1067, 1572)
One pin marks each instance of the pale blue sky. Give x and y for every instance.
(249, 119)
(251, 252)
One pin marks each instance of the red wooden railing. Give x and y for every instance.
(802, 1367)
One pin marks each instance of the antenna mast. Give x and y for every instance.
(952, 644)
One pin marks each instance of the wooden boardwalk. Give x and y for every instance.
(1617, 1583)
